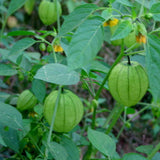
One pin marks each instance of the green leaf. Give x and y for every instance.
(58, 74)
(155, 10)
(153, 65)
(133, 156)
(7, 70)
(125, 2)
(15, 5)
(86, 42)
(10, 137)
(27, 128)
(3, 96)
(18, 47)
(156, 157)
(77, 17)
(123, 29)
(145, 3)
(71, 5)
(57, 151)
(96, 66)
(39, 89)
(21, 33)
(3, 85)
(107, 14)
(4, 53)
(2, 141)
(102, 142)
(71, 148)
(147, 149)
(10, 116)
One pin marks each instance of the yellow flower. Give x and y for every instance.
(58, 48)
(141, 38)
(111, 22)
(105, 24)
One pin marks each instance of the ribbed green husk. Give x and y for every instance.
(48, 12)
(26, 100)
(69, 112)
(128, 40)
(128, 83)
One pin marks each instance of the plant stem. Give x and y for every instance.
(58, 16)
(135, 115)
(141, 10)
(52, 123)
(106, 78)
(30, 136)
(154, 151)
(3, 26)
(117, 112)
(88, 153)
(136, 52)
(109, 118)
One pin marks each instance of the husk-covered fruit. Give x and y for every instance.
(26, 100)
(69, 112)
(48, 12)
(129, 40)
(29, 5)
(128, 83)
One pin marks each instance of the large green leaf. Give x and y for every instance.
(10, 137)
(86, 42)
(15, 5)
(123, 29)
(133, 156)
(18, 47)
(7, 70)
(39, 89)
(155, 10)
(78, 16)
(153, 65)
(102, 142)
(58, 74)
(125, 2)
(96, 66)
(147, 149)
(10, 116)
(57, 151)
(71, 148)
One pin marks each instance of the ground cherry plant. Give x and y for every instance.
(55, 78)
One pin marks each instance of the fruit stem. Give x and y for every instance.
(52, 123)
(129, 61)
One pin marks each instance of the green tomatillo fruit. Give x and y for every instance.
(129, 40)
(48, 11)
(26, 100)
(128, 83)
(69, 112)
(29, 5)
